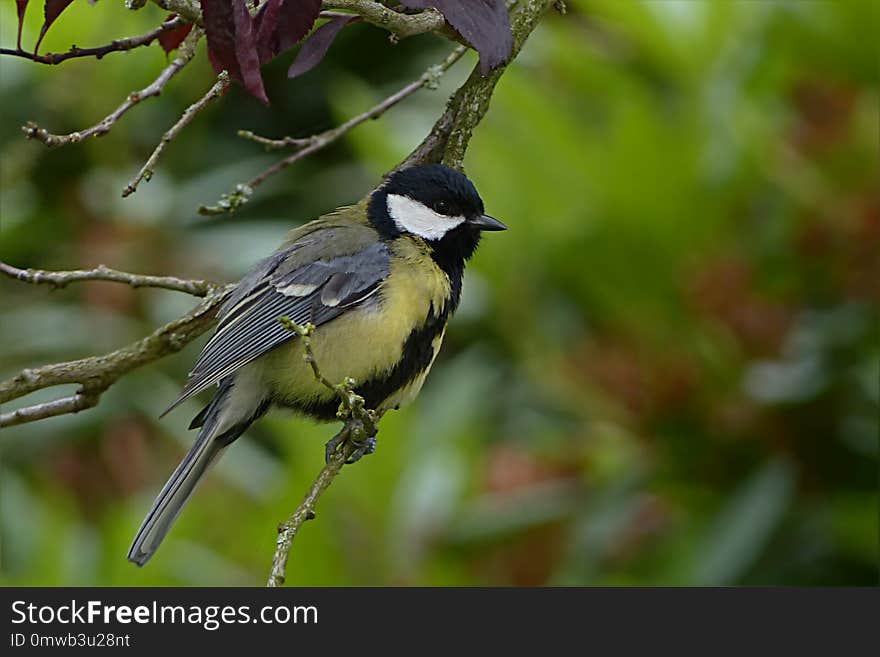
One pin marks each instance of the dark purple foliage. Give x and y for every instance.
(241, 44)
(231, 43)
(317, 45)
(296, 20)
(281, 24)
(265, 24)
(483, 23)
(246, 51)
(171, 39)
(21, 7)
(51, 10)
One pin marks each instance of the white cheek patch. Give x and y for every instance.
(414, 217)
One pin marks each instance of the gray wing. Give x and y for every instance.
(287, 283)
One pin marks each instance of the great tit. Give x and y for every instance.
(379, 280)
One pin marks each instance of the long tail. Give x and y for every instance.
(218, 430)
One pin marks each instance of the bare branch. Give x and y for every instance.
(351, 404)
(101, 371)
(146, 171)
(188, 9)
(401, 25)
(347, 446)
(59, 279)
(305, 335)
(97, 373)
(276, 144)
(184, 55)
(451, 134)
(74, 404)
(448, 139)
(120, 45)
(306, 511)
(308, 145)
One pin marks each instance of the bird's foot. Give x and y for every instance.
(363, 445)
(362, 448)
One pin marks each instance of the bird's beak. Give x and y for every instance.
(485, 222)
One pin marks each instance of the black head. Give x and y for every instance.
(433, 202)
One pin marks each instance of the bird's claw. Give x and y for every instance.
(363, 446)
(330, 447)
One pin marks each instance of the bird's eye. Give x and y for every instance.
(442, 207)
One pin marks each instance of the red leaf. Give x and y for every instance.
(317, 45)
(281, 24)
(21, 6)
(171, 39)
(484, 24)
(266, 25)
(220, 32)
(231, 44)
(51, 10)
(295, 21)
(246, 51)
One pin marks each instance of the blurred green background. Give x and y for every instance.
(665, 373)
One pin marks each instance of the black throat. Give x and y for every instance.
(449, 253)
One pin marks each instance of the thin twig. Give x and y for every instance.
(146, 171)
(430, 78)
(305, 511)
(308, 145)
(59, 279)
(96, 374)
(101, 371)
(74, 404)
(451, 134)
(305, 335)
(314, 144)
(185, 53)
(276, 144)
(120, 45)
(360, 424)
(351, 404)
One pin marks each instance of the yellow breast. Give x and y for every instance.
(365, 342)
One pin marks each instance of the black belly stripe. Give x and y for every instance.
(418, 352)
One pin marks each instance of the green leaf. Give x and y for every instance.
(745, 525)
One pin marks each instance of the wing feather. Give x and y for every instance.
(304, 281)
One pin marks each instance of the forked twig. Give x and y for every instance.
(308, 145)
(185, 53)
(146, 171)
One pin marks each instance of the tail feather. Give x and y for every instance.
(174, 495)
(217, 432)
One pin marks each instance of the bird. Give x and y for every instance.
(378, 280)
